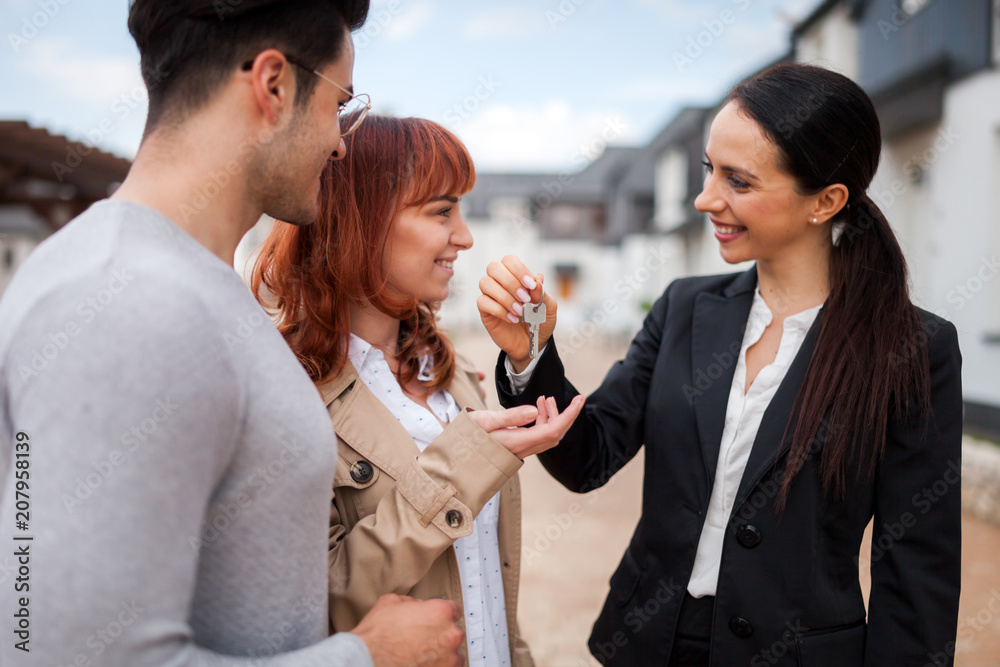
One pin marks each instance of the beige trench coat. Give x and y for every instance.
(397, 511)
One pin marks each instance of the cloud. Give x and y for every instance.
(669, 88)
(678, 13)
(91, 78)
(509, 22)
(547, 136)
(404, 25)
(95, 98)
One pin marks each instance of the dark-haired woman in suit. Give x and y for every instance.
(781, 409)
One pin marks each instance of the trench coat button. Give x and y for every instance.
(454, 518)
(362, 472)
(748, 535)
(740, 627)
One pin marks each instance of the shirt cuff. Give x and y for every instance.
(518, 381)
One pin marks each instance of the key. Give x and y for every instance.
(534, 317)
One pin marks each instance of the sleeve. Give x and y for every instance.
(609, 431)
(133, 415)
(916, 569)
(392, 549)
(518, 381)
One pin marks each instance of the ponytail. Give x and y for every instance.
(870, 362)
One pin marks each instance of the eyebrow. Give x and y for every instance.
(735, 170)
(453, 200)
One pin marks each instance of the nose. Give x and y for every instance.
(709, 201)
(461, 236)
(341, 151)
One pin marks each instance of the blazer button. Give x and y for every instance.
(454, 518)
(748, 535)
(740, 627)
(362, 472)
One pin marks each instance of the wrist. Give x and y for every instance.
(519, 364)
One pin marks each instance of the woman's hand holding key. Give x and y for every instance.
(506, 289)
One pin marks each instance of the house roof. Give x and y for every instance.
(490, 186)
(855, 7)
(31, 157)
(587, 186)
(641, 174)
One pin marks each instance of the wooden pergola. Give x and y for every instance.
(55, 176)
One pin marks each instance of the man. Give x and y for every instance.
(166, 463)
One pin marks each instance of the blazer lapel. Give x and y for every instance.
(465, 393)
(716, 337)
(769, 446)
(361, 421)
(364, 423)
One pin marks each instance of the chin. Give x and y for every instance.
(731, 258)
(299, 216)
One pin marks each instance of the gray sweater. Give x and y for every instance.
(175, 462)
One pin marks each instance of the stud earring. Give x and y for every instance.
(815, 221)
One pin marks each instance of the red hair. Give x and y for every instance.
(315, 272)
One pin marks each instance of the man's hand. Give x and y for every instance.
(400, 630)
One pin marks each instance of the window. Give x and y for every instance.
(671, 188)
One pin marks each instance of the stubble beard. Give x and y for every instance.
(281, 192)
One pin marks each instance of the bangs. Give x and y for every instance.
(437, 164)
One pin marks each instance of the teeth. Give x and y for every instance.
(729, 230)
(447, 265)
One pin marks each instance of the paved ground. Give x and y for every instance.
(572, 544)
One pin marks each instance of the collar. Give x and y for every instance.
(357, 354)
(800, 322)
(360, 349)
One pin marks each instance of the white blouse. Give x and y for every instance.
(743, 415)
(478, 554)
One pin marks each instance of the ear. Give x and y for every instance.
(272, 81)
(829, 202)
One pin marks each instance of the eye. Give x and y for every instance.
(708, 166)
(442, 211)
(738, 184)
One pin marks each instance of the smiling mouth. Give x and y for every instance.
(727, 230)
(447, 264)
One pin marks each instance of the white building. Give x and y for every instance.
(930, 68)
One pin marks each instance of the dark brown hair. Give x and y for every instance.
(189, 48)
(870, 363)
(314, 273)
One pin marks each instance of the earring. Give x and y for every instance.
(815, 221)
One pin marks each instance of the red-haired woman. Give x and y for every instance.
(426, 496)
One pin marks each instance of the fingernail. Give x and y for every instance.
(522, 295)
(529, 282)
(513, 318)
(518, 309)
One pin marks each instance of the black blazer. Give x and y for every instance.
(788, 590)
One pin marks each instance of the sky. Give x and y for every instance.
(537, 85)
